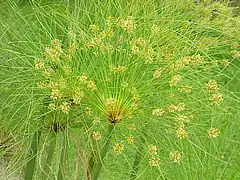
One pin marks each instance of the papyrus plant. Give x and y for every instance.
(119, 91)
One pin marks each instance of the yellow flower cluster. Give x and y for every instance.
(185, 88)
(235, 54)
(78, 96)
(48, 72)
(39, 64)
(175, 80)
(152, 149)
(157, 73)
(216, 98)
(118, 148)
(54, 52)
(72, 49)
(106, 48)
(182, 133)
(158, 112)
(96, 135)
(186, 61)
(175, 156)
(212, 87)
(130, 139)
(154, 159)
(132, 127)
(56, 94)
(97, 42)
(118, 69)
(91, 85)
(89, 111)
(143, 49)
(138, 45)
(110, 101)
(128, 24)
(83, 79)
(41, 85)
(213, 132)
(52, 106)
(94, 28)
(176, 108)
(65, 107)
(135, 94)
(181, 119)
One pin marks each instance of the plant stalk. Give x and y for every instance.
(33, 156)
(62, 164)
(99, 161)
(137, 161)
(50, 153)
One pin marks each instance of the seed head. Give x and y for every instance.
(157, 73)
(65, 107)
(41, 85)
(185, 88)
(55, 94)
(96, 135)
(132, 127)
(52, 106)
(89, 111)
(175, 80)
(158, 112)
(211, 85)
(54, 52)
(175, 156)
(176, 108)
(128, 24)
(182, 133)
(78, 96)
(152, 149)
(91, 85)
(83, 79)
(235, 54)
(181, 119)
(153, 161)
(213, 132)
(94, 28)
(130, 140)
(118, 148)
(118, 69)
(216, 98)
(39, 64)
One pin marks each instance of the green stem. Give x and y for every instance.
(31, 163)
(137, 160)
(63, 158)
(92, 160)
(50, 153)
(96, 169)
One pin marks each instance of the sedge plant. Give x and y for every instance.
(121, 90)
